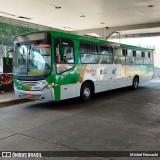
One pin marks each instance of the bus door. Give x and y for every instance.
(65, 68)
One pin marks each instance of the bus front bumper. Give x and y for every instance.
(47, 95)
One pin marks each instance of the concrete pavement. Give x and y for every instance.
(118, 120)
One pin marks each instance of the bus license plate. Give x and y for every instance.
(29, 96)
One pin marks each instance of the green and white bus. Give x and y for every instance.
(54, 66)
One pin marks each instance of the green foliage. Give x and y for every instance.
(8, 32)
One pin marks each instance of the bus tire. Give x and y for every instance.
(86, 92)
(135, 82)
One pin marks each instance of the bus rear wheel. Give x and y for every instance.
(86, 92)
(135, 82)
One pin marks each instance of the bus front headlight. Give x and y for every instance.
(48, 87)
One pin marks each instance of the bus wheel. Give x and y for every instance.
(135, 82)
(86, 92)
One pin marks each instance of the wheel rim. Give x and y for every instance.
(86, 92)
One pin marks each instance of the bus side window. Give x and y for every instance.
(119, 55)
(149, 57)
(64, 51)
(146, 59)
(106, 55)
(89, 54)
(134, 53)
(130, 58)
(139, 58)
(64, 55)
(124, 52)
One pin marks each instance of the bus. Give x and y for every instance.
(54, 65)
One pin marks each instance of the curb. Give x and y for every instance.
(14, 102)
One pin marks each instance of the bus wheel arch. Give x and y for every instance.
(87, 90)
(135, 82)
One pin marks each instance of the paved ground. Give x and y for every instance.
(119, 120)
(7, 96)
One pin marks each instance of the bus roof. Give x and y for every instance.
(90, 39)
(98, 41)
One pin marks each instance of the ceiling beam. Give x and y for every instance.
(106, 32)
(137, 35)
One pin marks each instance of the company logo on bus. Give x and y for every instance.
(91, 70)
(28, 87)
(114, 71)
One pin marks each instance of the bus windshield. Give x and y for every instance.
(32, 59)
